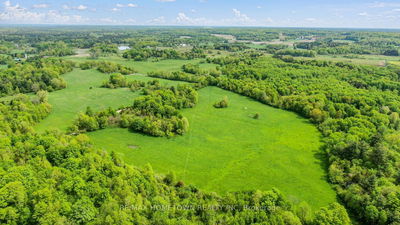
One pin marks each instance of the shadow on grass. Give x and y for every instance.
(323, 161)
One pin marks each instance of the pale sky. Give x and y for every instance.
(269, 13)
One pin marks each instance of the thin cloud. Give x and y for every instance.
(383, 5)
(241, 17)
(40, 6)
(108, 20)
(16, 14)
(312, 20)
(129, 5)
(79, 7)
(269, 20)
(158, 20)
(373, 13)
(130, 21)
(183, 19)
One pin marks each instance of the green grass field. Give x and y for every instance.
(374, 60)
(228, 150)
(77, 96)
(395, 63)
(225, 149)
(146, 66)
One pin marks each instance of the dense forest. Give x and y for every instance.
(43, 74)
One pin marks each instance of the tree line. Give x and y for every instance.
(143, 54)
(35, 75)
(117, 80)
(107, 67)
(51, 48)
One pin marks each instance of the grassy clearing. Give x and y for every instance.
(375, 60)
(228, 150)
(147, 66)
(84, 90)
(395, 63)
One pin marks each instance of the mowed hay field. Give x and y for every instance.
(228, 150)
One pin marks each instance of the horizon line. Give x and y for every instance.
(197, 26)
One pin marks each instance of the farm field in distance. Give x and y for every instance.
(362, 59)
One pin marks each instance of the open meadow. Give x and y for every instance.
(225, 146)
(222, 148)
